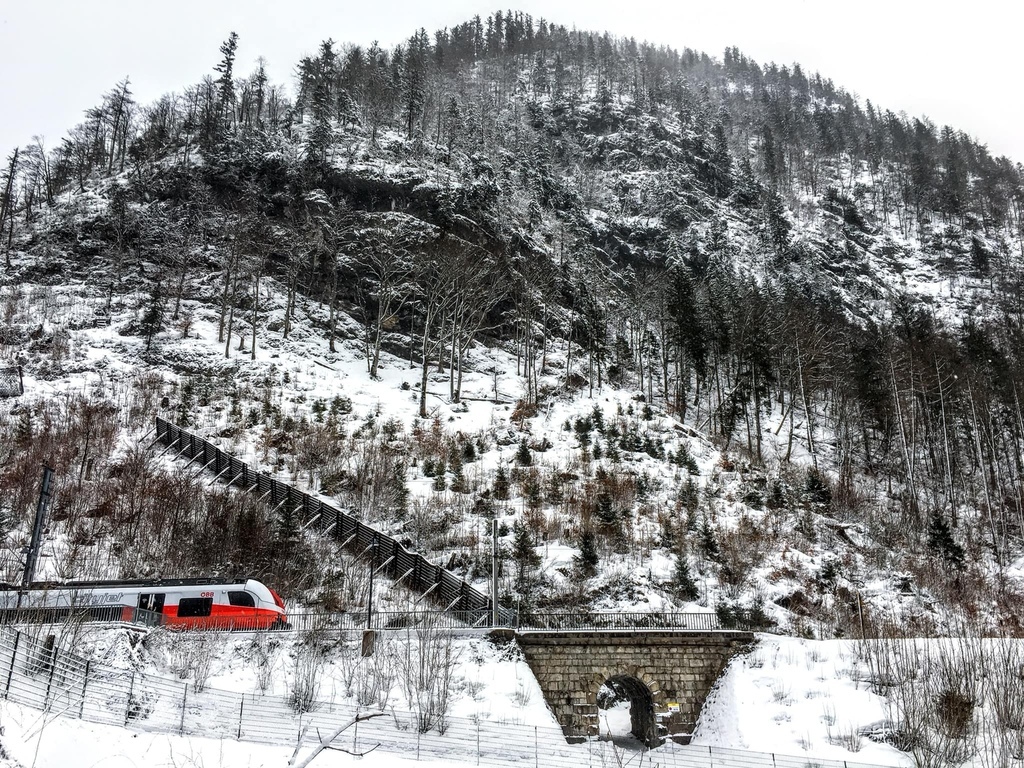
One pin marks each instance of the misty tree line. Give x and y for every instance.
(802, 127)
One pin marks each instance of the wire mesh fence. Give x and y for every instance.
(463, 621)
(637, 621)
(74, 614)
(396, 620)
(36, 672)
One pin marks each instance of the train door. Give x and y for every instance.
(153, 601)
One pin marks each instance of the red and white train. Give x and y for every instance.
(184, 603)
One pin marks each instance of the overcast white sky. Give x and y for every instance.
(957, 62)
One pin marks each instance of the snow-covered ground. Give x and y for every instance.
(795, 696)
(489, 682)
(32, 738)
(803, 698)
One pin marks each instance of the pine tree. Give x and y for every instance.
(225, 83)
(582, 428)
(607, 515)
(25, 429)
(775, 228)
(560, 85)
(604, 101)
(747, 191)
(321, 105)
(720, 161)
(7, 201)
(379, 90)
(708, 541)
(682, 580)
(501, 484)
(459, 484)
(454, 459)
(539, 76)
(286, 532)
(454, 126)
(816, 488)
(771, 157)
(399, 489)
(152, 319)
(346, 107)
(523, 551)
(259, 85)
(554, 494)
(523, 456)
(586, 559)
(942, 543)
(414, 80)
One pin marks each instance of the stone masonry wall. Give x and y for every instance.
(679, 668)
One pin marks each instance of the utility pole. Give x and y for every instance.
(37, 530)
(494, 572)
(369, 636)
(369, 597)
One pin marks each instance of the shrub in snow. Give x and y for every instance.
(307, 666)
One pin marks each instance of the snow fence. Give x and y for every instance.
(35, 672)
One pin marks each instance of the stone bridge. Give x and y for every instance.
(666, 675)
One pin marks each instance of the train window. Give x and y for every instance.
(194, 606)
(241, 599)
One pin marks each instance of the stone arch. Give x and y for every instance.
(677, 667)
(641, 691)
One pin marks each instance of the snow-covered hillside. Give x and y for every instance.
(771, 558)
(698, 334)
(787, 696)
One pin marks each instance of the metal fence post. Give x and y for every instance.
(85, 684)
(241, 710)
(478, 741)
(49, 680)
(128, 703)
(14, 658)
(536, 749)
(184, 699)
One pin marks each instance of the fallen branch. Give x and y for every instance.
(328, 743)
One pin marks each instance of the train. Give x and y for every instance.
(226, 604)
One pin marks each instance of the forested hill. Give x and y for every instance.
(748, 248)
